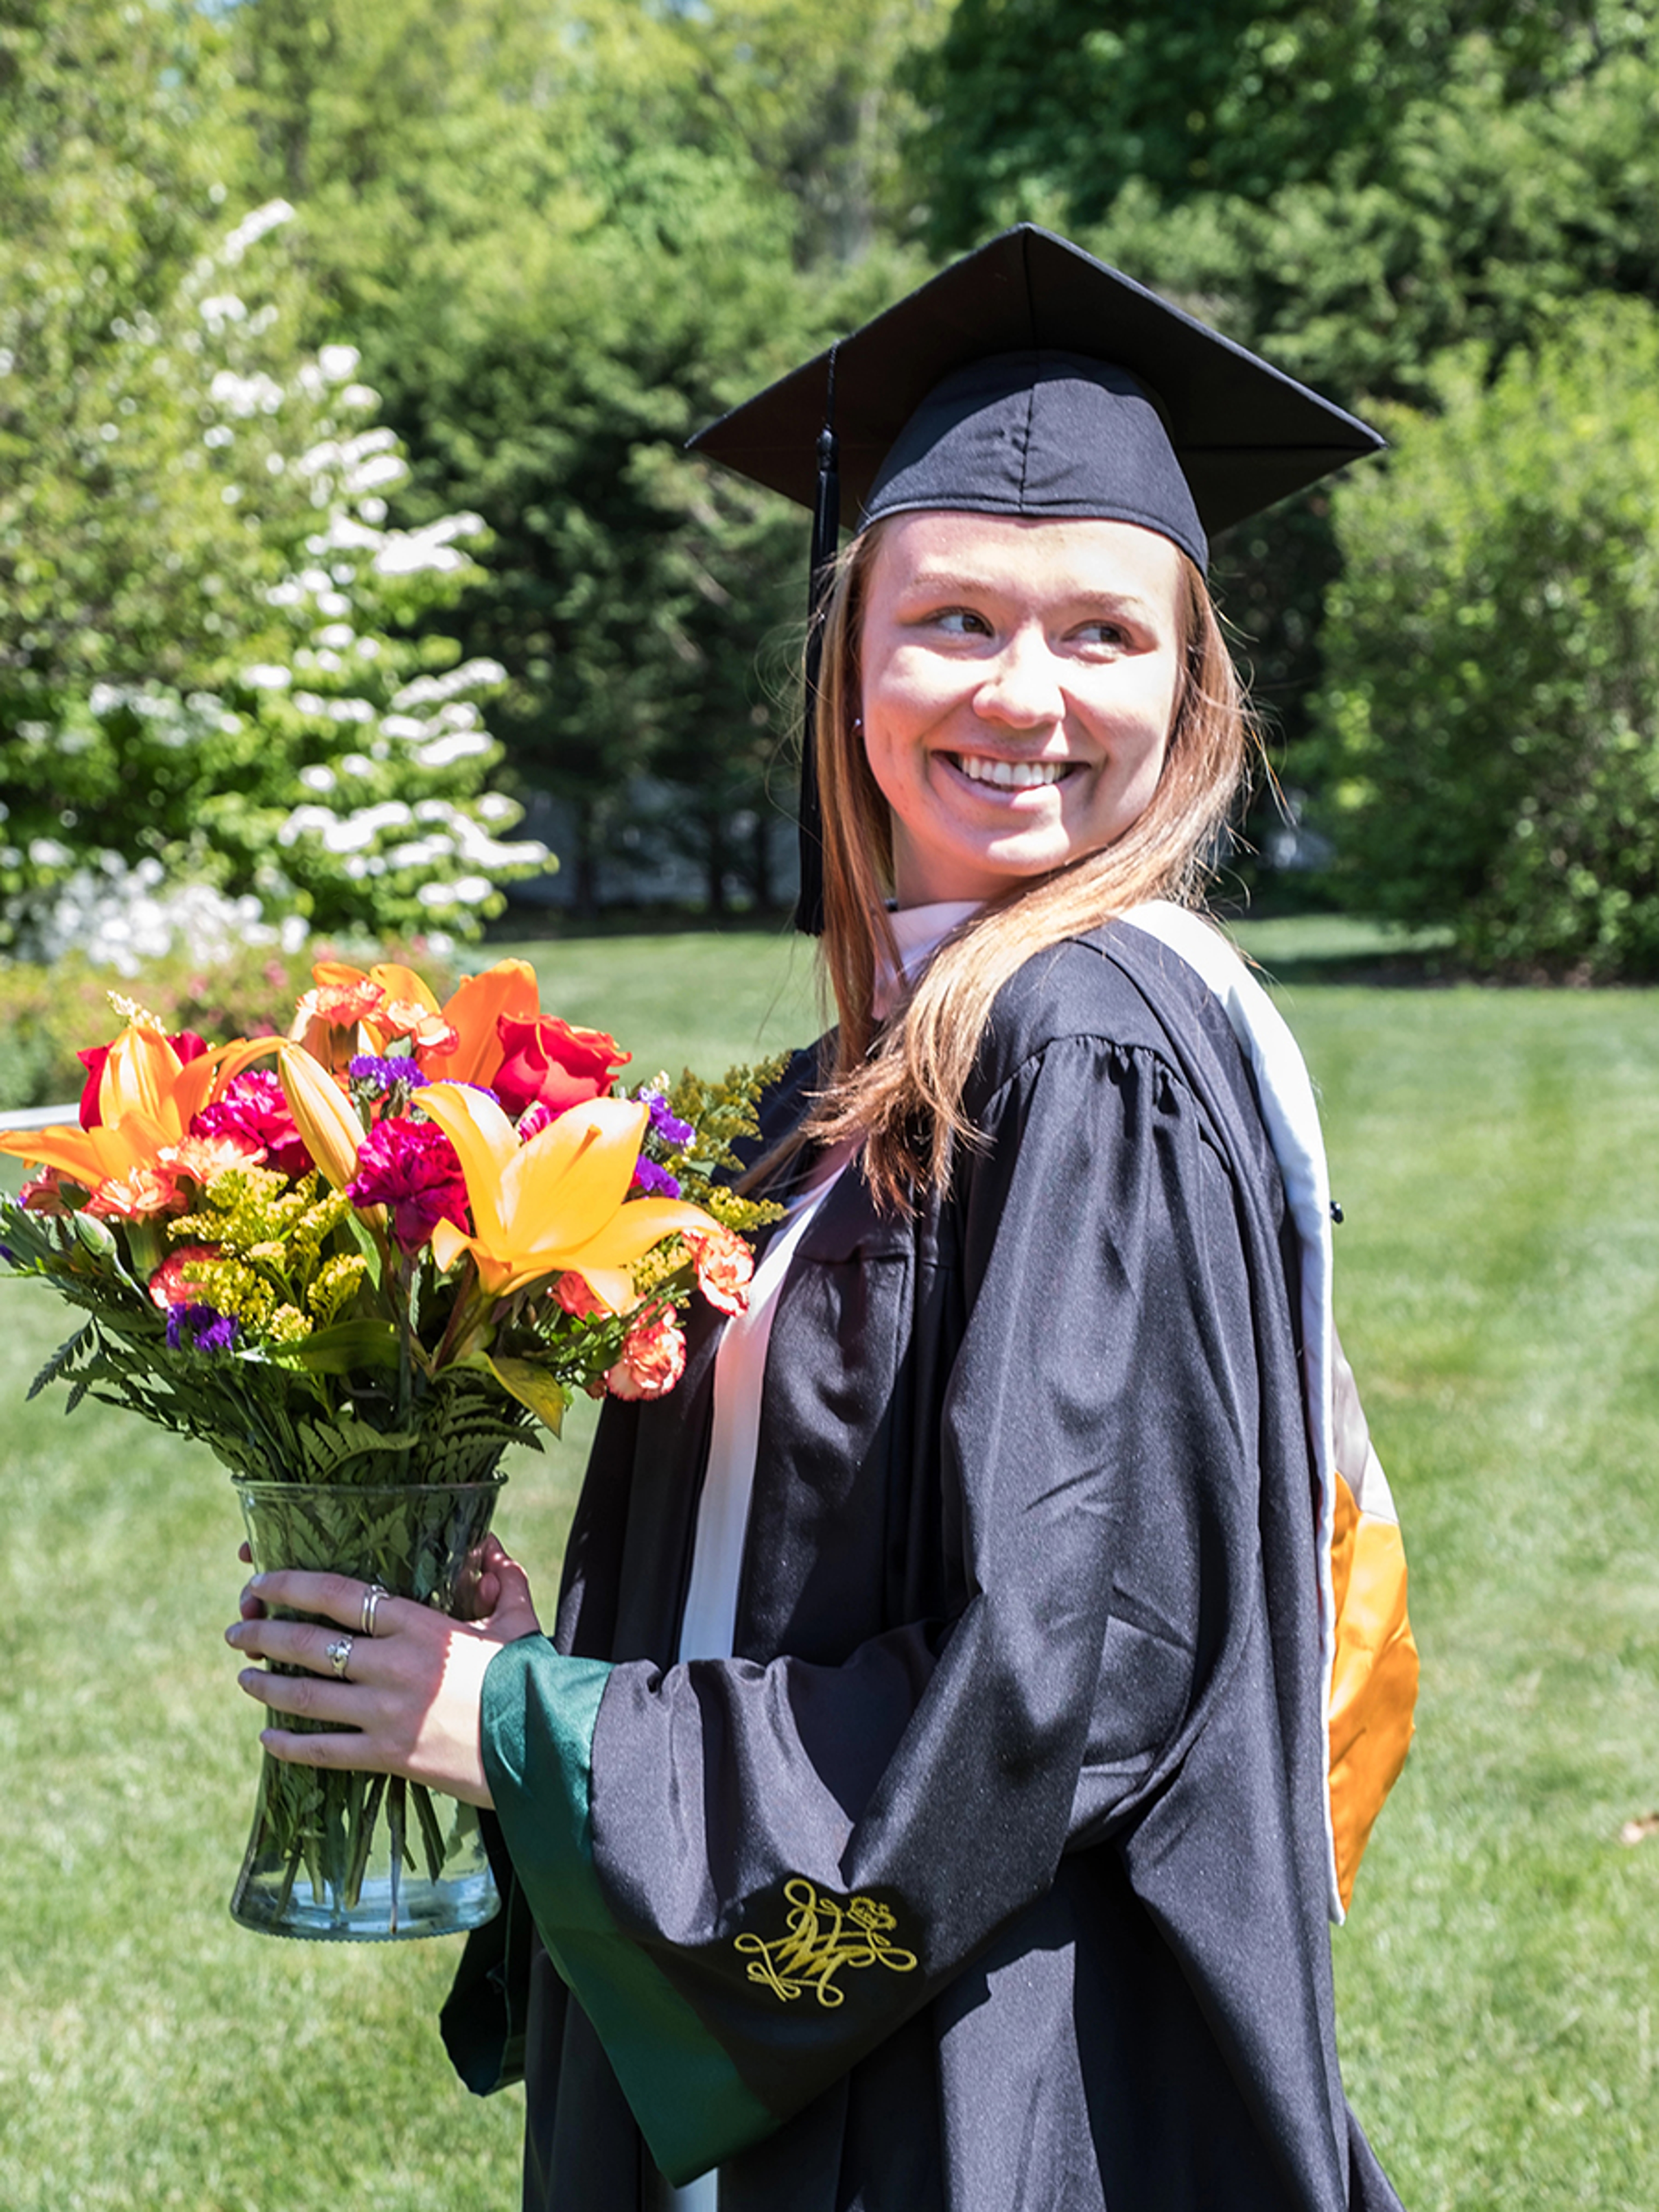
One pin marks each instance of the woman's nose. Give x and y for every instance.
(1022, 685)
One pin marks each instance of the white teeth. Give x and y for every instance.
(1011, 776)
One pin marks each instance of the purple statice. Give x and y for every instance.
(655, 1182)
(378, 1075)
(667, 1126)
(200, 1328)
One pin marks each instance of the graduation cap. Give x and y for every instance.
(1027, 378)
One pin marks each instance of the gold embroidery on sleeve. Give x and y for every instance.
(823, 1937)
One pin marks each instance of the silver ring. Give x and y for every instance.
(338, 1655)
(371, 1597)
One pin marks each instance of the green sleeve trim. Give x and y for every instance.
(540, 1713)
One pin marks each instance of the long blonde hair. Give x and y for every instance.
(897, 1086)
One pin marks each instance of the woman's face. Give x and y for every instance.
(1019, 680)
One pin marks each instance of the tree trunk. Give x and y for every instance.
(713, 852)
(587, 861)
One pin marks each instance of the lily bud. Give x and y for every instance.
(321, 1113)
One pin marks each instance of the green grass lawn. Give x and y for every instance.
(1494, 1154)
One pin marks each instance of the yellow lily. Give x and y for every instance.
(553, 1206)
(147, 1098)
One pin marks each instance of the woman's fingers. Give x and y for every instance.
(385, 1686)
(336, 1597)
(497, 1590)
(504, 1587)
(412, 1692)
(300, 1644)
(359, 1753)
(309, 1697)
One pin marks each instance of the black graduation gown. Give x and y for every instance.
(991, 1873)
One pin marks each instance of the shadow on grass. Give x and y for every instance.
(1347, 948)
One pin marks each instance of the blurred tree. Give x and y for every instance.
(1490, 745)
(1351, 190)
(1043, 104)
(111, 190)
(565, 240)
(199, 609)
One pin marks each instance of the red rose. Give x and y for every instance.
(187, 1045)
(547, 1062)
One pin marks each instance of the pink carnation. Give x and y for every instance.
(412, 1167)
(254, 1109)
(725, 1266)
(44, 1193)
(652, 1356)
(407, 1017)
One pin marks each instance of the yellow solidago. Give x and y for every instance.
(335, 1285)
(287, 1325)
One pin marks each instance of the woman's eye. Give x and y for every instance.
(961, 621)
(1109, 633)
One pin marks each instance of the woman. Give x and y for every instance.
(951, 1746)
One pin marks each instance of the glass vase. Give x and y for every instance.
(345, 1858)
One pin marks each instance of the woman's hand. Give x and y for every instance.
(413, 1689)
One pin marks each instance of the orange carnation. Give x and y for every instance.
(201, 1159)
(725, 1266)
(141, 1192)
(652, 1356)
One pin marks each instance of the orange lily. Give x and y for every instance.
(352, 1009)
(347, 1010)
(553, 1206)
(147, 1098)
(472, 1012)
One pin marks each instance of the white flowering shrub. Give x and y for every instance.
(122, 917)
(245, 732)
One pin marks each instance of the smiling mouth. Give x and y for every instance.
(1010, 775)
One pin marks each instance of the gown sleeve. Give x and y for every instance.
(751, 1874)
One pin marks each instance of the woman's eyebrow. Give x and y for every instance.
(929, 583)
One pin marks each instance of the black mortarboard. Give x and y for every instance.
(1029, 379)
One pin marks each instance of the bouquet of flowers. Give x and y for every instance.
(357, 1274)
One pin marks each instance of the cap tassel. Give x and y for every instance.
(826, 540)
